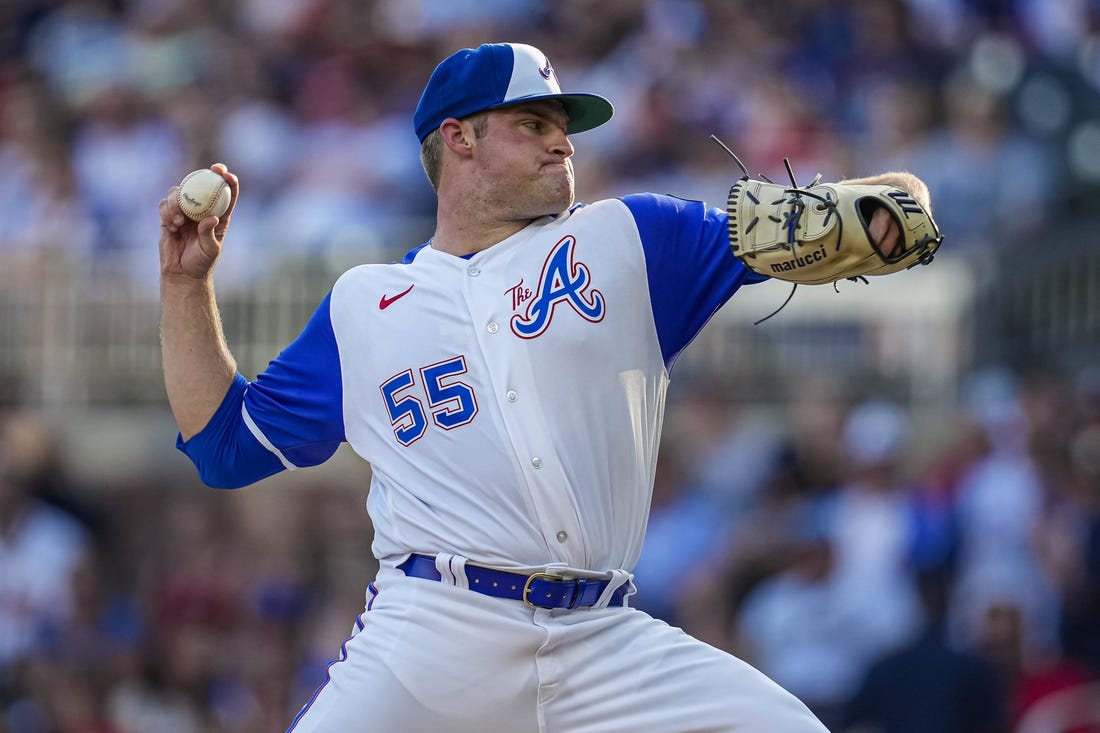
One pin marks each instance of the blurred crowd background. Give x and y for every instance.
(888, 499)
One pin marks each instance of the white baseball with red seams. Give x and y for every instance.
(203, 193)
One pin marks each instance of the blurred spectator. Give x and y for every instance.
(41, 547)
(120, 139)
(872, 529)
(791, 627)
(1028, 679)
(928, 684)
(41, 550)
(82, 48)
(850, 597)
(1081, 606)
(40, 205)
(1001, 502)
(685, 529)
(990, 179)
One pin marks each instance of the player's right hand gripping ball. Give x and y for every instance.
(821, 233)
(203, 193)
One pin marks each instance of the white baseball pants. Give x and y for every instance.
(428, 657)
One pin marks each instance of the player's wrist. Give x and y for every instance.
(186, 285)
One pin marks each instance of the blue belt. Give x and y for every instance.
(539, 590)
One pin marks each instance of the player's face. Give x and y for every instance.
(525, 168)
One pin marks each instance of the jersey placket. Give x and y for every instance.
(509, 370)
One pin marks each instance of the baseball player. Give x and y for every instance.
(506, 382)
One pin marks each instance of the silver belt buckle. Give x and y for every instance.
(545, 576)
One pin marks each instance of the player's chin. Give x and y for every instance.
(567, 189)
(554, 199)
(558, 204)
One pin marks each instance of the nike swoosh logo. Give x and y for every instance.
(385, 302)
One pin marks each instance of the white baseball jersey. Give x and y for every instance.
(510, 402)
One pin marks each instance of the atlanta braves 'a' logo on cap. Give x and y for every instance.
(546, 69)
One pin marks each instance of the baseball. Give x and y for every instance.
(203, 193)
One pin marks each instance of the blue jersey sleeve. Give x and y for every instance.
(290, 416)
(691, 270)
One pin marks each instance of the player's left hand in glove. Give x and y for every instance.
(827, 232)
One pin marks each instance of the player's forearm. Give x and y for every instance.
(198, 367)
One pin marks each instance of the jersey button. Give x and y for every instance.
(492, 328)
(562, 536)
(536, 462)
(474, 270)
(512, 395)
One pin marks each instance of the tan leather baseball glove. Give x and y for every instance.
(822, 233)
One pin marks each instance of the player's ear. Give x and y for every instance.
(457, 135)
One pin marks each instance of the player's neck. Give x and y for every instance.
(463, 235)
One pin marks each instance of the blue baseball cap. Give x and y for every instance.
(497, 75)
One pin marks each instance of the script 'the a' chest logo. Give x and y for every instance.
(564, 281)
